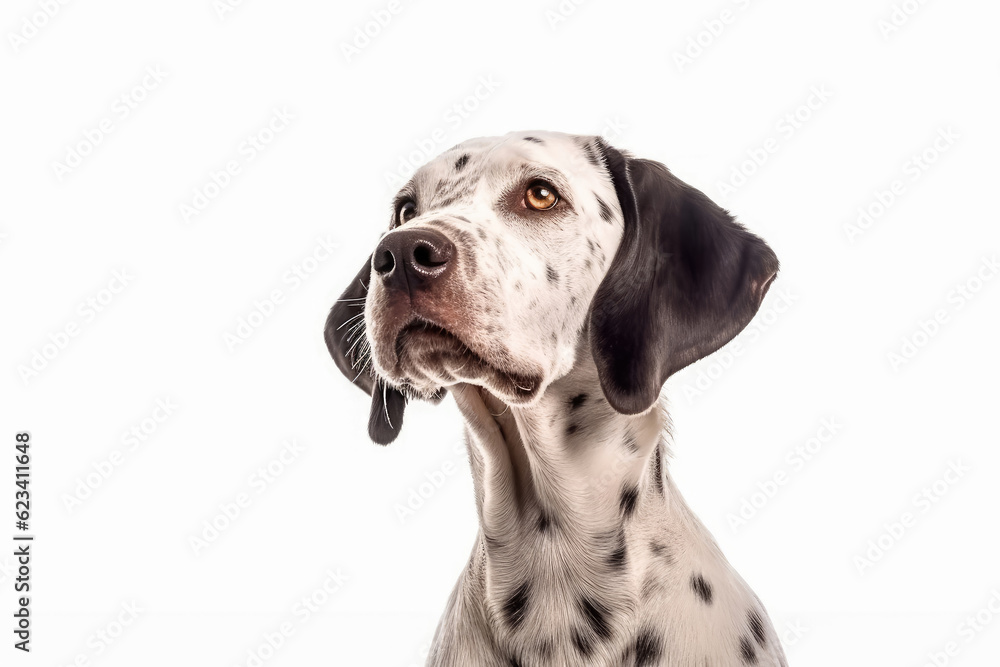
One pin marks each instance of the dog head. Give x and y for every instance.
(502, 252)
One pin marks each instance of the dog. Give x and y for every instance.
(552, 283)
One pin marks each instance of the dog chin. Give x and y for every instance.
(429, 358)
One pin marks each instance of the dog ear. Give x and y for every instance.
(348, 345)
(685, 280)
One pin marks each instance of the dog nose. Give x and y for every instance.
(412, 257)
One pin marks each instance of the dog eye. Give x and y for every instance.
(540, 196)
(407, 212)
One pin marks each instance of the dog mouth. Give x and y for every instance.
(428, 352)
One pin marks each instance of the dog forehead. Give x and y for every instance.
(496, 157)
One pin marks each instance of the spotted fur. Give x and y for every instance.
(587, 554)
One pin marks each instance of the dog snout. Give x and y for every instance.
(412, 258)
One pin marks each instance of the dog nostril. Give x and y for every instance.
(425, 256)
(384, 263)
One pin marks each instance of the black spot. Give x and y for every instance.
(661, 551)
(631, 443)
(535, 140)
(551, 273)
(544, 523)
(481, 233)
(606, 213)
(517, 286)
(747, 651)
(757, 627)
(461, 162)
(577, 401)
(513, 662)
(596, 615)
(572, 300)
(702, 588)
(592, 155)
(658, 470)
(516, 605)
(572, 428)
(463, 219)
(616, 558)
(629, 496)
(582, 643)
(647, 649)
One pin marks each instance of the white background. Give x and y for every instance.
(822, 351)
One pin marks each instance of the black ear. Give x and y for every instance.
(345, 338)
(685, 280)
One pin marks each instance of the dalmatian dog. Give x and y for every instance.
(552, 284)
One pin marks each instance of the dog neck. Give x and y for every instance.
(568, 461)
(574, 505)
(586, 550)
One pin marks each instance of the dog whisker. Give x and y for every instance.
(350, 319)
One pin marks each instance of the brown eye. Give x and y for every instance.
(407, 212)
(540, 196)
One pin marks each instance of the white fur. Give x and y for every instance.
(550, 469)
